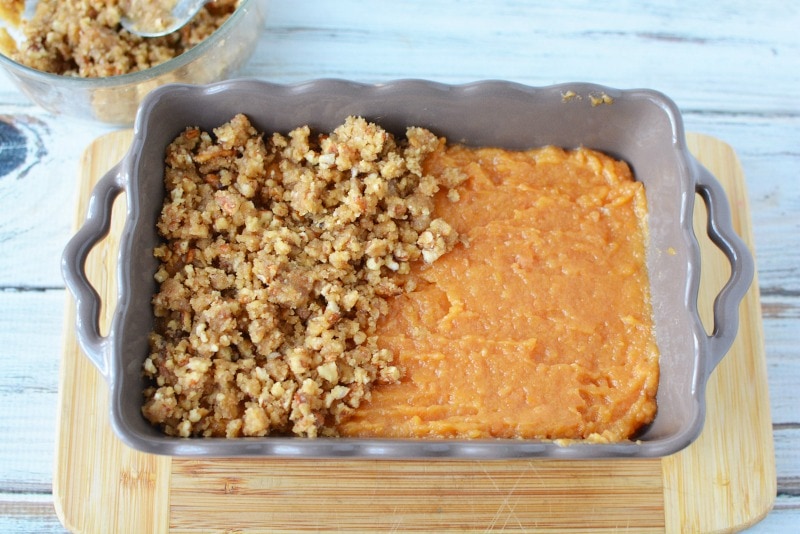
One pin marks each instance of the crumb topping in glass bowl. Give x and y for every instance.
(88, 67)
(84, 38)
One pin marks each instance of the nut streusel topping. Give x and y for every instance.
(84, 38)
(280, 255)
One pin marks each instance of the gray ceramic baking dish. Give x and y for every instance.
(643, 127)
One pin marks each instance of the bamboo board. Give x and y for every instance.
(723, 482)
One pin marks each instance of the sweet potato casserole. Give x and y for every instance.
(354, 283)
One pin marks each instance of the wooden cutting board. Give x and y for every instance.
(725, 481)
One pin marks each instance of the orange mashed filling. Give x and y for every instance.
(539, 324)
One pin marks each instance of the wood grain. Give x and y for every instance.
(737, 390)
(409, 496)
(95, 472)
(725, 481)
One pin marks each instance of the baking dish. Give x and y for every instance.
(643, 127)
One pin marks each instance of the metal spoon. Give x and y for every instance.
(145, 23)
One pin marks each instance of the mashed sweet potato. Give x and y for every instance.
(540, 325)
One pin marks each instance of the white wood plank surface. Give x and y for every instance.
(733, 67)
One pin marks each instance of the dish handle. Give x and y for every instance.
(96, 226)
(721, 232)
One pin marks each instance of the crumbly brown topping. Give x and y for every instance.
(11, 11)
(280, 254)
(84, 38)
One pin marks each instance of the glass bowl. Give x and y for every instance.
(114, 100)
